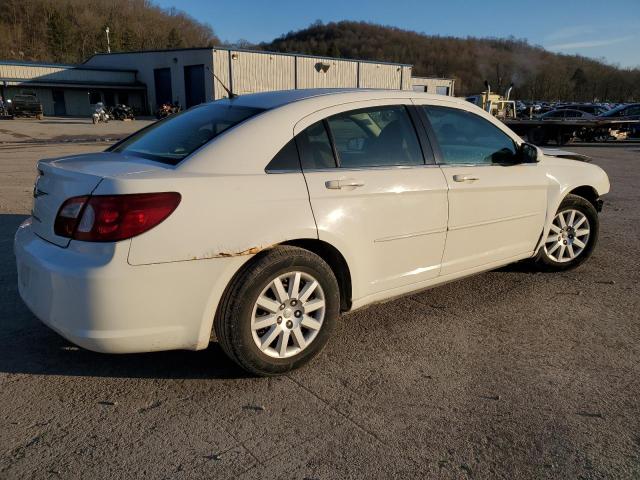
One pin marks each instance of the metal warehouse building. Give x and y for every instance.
(70, 89)
(186, 76)
(148, 79)
(439, 86)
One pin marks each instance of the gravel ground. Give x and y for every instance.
(510, 374)
(65, 129)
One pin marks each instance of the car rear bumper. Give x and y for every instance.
(89, 294)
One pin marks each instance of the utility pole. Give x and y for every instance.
(108, 44)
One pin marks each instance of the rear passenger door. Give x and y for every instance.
(376, 193)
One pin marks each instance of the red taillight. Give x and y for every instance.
(109, 218)
(68, 216)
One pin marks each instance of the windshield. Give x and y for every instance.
(614, 111)
(172, 139)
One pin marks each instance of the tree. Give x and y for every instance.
(72, 30)
(536, 73)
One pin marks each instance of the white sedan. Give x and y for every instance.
(257, 220)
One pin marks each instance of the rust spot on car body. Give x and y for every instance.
(248, 251)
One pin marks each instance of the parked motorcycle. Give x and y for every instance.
(100, 114)
(167, 109)
(122, 112)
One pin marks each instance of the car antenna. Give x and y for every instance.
(229, 92)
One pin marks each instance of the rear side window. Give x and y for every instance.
(466, 138)
(375, 137)
(315, 148)
(171, 140)
(286, 160)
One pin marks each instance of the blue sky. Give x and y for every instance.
(608, 30)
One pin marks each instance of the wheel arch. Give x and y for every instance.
(324, 250)
(336, 262)
(588, 193)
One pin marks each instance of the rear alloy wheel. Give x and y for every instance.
(288, 314)
(279, 311)
(572, 235)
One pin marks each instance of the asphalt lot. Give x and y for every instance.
(510, 374)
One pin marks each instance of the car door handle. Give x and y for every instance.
(464, 178)
(348, 183)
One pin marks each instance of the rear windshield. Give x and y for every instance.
(172, 139)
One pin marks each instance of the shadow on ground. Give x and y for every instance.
(29, 347)
(628, 144)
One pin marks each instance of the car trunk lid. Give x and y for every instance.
(62, 178)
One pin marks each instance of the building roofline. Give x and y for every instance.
(25, 63)
(279, 98)
(247, 50)
(305, 55)
(21, 82)
(432, 78)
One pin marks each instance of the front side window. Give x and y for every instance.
(171, 140)
(373, 137)
(466, 138)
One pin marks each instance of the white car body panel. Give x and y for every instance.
(483, 227)
(383, 228)
(274, 209)
(91, 296)
(385, 219)
(160, 290)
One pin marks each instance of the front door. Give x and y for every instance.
(194, 85)
(374, 196)
(497, 205)
(162, 85)
(59, 106)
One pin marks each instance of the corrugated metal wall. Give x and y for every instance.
(313, 72)
(64, 74)
(380, 75)
(221, 69)
(260, 72)
(264, 71)
(407, 70)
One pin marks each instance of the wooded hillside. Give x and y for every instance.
(535, 72)
(70, 31)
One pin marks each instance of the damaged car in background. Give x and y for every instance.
(256, 220)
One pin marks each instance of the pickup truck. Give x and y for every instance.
(26, 106)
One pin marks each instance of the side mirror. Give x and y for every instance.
(528, 153)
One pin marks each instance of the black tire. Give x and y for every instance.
(233, 319)
(537, 136)
(575, 202)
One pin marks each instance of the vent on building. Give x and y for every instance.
(322, 67)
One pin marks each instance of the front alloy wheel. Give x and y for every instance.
(568, 236)
(572, 236)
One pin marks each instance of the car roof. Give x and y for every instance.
(275, 99)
